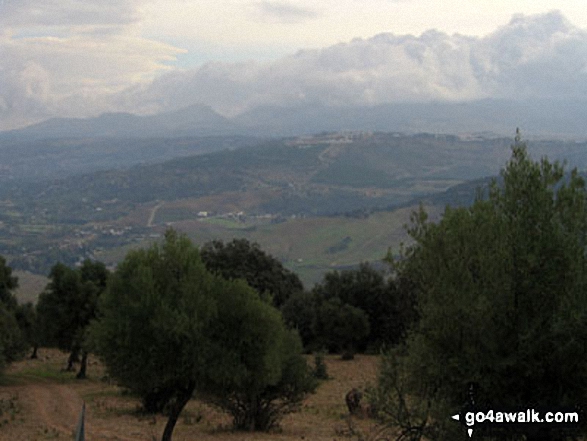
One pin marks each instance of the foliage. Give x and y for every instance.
(352, 310)
(340, 327)
(392, 401)
(8, 283)
(12, 343)
(68, 304)
(260, 398)
(241, 259)
(28, 323)
(501, 293)
(389, 308)
(299, 312)
(170, 327)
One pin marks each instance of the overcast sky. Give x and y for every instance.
(83, 57)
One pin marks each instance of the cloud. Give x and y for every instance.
(530, 57)
(283, 12)
(70, 57)
(27, 13)
(75, 75)
(363, 72)
(536, 56)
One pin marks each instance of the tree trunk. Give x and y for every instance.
(34, 355)
(175, 407)
(81, 375)
(73, 357)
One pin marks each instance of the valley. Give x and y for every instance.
(316, 202)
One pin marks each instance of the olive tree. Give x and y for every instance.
(168, 328)
(68, 304)
(8, 283)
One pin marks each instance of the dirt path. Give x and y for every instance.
(153, 213)
(56, 406)
(38, 402)
(52, 411)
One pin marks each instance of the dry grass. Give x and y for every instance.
(46, 403)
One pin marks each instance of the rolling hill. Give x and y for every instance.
(316, 202)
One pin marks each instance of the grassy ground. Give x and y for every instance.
(40, 402)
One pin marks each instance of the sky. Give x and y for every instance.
(84, 57)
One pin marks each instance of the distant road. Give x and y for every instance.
(153, 213)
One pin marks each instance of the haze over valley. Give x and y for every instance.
(308, 148)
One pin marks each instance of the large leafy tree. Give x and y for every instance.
(339, 327)
(356, 309)
(168, 327)
(68, 304)
(502, 293)
(389, 308)
(241, 259)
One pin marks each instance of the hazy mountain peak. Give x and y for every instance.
(194, 120)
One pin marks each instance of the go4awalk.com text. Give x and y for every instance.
(515, 420)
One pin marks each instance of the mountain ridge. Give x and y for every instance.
(194, 120)
(541, 117)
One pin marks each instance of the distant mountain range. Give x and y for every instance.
(536, 118)
(191, 121)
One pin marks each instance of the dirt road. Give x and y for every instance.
(153, 213)
(52, 411)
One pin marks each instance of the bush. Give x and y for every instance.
(258, 405)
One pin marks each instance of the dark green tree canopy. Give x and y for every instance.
(340, 327)
(68, 304)
(26, 317)
(241, 259)
(8, 283)
(300, 313)
(12, 342)
(169, 326)
(388, 308)
(502, 295)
